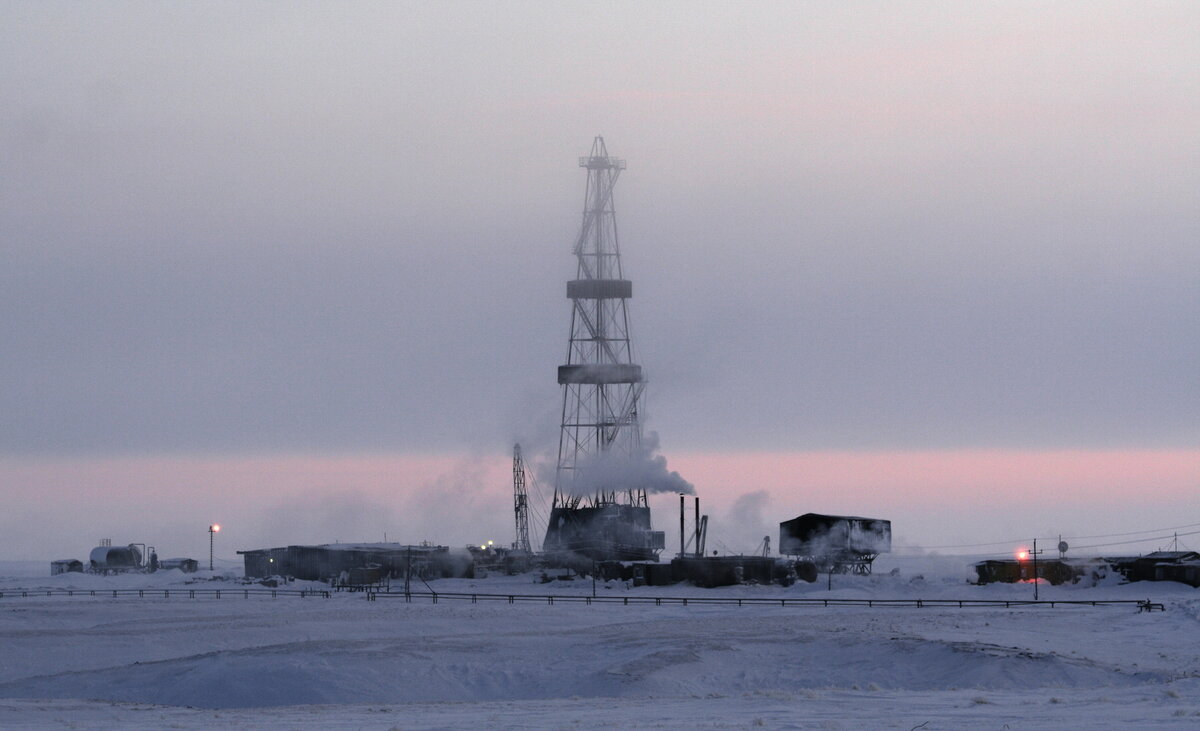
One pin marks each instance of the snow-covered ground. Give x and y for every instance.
(345, 662)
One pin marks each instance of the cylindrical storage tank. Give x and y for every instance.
(115, 557)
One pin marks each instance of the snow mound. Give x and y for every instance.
(730, 653)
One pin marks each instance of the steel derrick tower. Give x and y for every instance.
(600, 381)
(520, 502)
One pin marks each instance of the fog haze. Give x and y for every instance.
(233, 229)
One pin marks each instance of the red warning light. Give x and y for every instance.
(1022, 554)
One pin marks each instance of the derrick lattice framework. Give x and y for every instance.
(520, 502)
(601, 383)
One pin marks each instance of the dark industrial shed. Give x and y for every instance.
(186, 565)
(711, 571)
(357, 563)
(1181, 566)
(606, 532)
(1054, 570)
(836, 543)
(66, 565)
(1158, 566)
(1185, 572)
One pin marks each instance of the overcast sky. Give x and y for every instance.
(262, 229)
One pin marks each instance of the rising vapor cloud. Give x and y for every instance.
(644, 469)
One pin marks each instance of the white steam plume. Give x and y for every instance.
(645, 469)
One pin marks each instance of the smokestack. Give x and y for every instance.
(697, 526)
(682, 511)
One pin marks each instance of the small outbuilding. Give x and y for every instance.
(1185, 572)
(65, 566)
(1054, 570)
(1156, 566)
(186, 565)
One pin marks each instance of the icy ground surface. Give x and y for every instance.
(345, 662)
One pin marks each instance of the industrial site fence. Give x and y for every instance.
(551, 599)
(168, 593)
(659, 601)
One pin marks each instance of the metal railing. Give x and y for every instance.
(659, 601)
(167, 593)
(551, 599)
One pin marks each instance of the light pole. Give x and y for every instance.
(212, 531)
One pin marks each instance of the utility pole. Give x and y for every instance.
(408, 576)
(1035, 553)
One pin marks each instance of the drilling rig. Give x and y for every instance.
(520, 502)
(601, 389)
